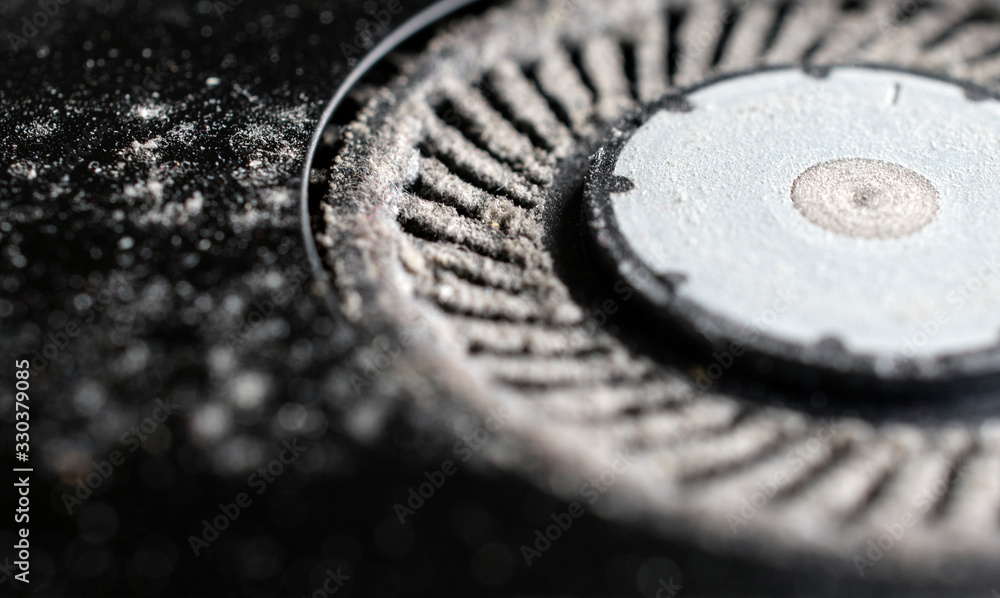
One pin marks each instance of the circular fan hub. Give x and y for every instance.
(846, 219)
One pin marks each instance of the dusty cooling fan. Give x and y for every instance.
(760, 181)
